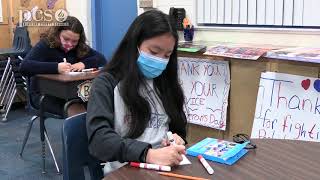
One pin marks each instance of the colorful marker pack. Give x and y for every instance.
(221, 151)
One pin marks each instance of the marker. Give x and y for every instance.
(205, 164)
(170, 138)
(64, 60)
(150, 166)
(89, 70)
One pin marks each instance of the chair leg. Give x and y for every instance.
(51, 151)
(26, 136)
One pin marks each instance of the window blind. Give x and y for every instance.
(258, 12)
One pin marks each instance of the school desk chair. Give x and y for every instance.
(75, 150)
(34, 110)
(7, 88)
(21, 44)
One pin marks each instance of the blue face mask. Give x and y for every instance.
(151, 66)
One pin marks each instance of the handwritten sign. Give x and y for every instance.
(206, 85)
(288, 107)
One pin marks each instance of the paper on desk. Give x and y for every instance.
(185, 160)
(74, 73)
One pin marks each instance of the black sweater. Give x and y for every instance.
(44, 60)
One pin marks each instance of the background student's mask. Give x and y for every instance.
(151, 66)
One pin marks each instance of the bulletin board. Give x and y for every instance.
(36, 31)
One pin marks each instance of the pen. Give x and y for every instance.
(150, 166)
(181, 176)
(64, 60)
(205, 164)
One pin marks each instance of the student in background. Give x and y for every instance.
(138, 98)
(61, 50)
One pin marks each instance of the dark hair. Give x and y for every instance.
(74, 25)
(124, 67)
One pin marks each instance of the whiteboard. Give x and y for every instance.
(206, 85)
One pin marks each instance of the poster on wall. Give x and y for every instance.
(304, 54)
(288, 107)
(234, 51)
(206, 85)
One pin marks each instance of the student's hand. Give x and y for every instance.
(177, 139)
(77, 66)
(170, 155)
(64, 67)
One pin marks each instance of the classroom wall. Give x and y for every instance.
(82, 10)
(284, 37)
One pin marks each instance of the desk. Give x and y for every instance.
(63, 86)
(273, 159)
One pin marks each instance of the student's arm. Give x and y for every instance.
(35, 61)
(104, 142)
(93, 60)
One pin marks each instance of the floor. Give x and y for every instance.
(12, 132)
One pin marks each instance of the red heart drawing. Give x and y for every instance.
(305, 84)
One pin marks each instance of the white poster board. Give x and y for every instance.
(1, 15)
(206, 85)
(288, 107)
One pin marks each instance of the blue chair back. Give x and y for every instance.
(75, 150)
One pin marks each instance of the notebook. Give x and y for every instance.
(221, 151)
(190, 47)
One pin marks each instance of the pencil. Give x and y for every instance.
(181, 176)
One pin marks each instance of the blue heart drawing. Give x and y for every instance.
(316, 85)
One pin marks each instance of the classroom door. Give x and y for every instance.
(111, 20)
(6, 29)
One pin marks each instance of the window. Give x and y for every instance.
(273, 13)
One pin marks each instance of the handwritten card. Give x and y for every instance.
(288, 107)
(206, 85)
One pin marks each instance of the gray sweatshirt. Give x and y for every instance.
(107, 123)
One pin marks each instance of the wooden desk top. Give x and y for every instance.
(273, 159)
(64, 86)
(69, 77)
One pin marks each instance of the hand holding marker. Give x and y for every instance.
(202, 160)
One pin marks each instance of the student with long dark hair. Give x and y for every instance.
(138, 98)
(47, 57)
